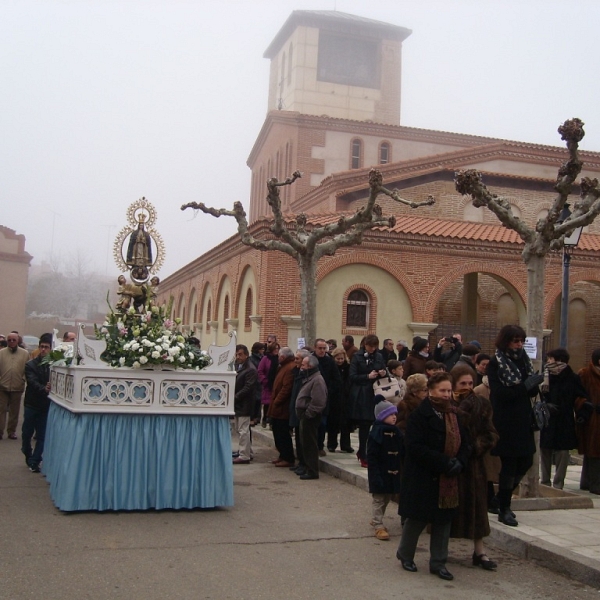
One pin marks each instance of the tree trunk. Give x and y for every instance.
(308, 297)
(535, 328)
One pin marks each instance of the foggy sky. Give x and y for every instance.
(102, 103)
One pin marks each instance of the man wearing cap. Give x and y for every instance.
(12, 383)
(37, 405)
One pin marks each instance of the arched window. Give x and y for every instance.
(384, 153)
(356, 157)
(208, 316)
(225, 313)
(358, 309)
(248, 311)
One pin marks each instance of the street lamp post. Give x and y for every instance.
(570, 244)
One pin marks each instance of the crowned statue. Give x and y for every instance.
(143, 257)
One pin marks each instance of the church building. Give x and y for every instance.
(333, 114)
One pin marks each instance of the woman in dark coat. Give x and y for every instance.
(475, 415)
(367, 365)
(588, 426)
(341, 360)
(564, 394)
(416, 359)
(512, 386)
(436, 452)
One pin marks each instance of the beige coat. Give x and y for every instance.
(12, 369)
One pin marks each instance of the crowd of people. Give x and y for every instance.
(449, 432)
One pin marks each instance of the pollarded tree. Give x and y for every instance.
(307, 243)
(549, 232)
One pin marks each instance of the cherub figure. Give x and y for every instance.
(129, 293)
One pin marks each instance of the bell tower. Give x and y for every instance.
(328, 63)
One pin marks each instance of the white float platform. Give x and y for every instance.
(134, 439)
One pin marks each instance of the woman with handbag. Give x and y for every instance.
(513, 384)
(367, 365)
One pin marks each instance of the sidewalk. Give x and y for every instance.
(567, 541)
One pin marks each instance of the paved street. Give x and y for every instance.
(284, 538)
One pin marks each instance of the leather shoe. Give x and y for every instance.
(408, 565)
(307, 476)
(12, 436)
(240, 461)
(506, 517)
(283, 463)
(442, 573)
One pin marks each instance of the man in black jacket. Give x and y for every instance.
(36, 404)
(243, 403)
(332, 414)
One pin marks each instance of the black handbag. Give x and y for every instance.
(540, 414)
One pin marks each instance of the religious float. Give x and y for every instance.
(139, 417)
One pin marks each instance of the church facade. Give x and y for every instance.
(334, 108)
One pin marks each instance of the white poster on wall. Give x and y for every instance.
(530, 347)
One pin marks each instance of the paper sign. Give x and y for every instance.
(301, 343)
(530, 346)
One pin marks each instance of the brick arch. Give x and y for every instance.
(518, 202)
(193, 306)
(372, 328)
(236, 286)
(342, 260)
(576, 276)
(427, 311)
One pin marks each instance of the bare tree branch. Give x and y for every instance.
(307, 243)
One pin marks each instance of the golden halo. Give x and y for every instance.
(141, 206)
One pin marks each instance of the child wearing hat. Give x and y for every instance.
(384, 451)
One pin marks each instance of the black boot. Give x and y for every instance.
(505, 515)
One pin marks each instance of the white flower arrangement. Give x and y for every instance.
(149, 338)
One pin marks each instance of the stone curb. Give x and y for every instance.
(562, 560)
(578, 567)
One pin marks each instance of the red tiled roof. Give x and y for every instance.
(460, 230)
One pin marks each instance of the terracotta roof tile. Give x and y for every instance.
(461, 230)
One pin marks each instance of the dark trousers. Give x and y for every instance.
(512, 471)
(283, 439)
(309, 431)
(321, 433)
(34, 421)
(438, 542)
(298, 440)
(332, 437)
(363, 435)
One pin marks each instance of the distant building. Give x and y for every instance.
(334, 108)
(14, 267)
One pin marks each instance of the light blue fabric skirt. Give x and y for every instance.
(134, 462)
